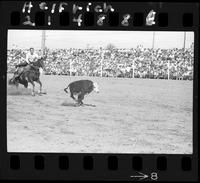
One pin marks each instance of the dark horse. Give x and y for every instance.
(28, 74)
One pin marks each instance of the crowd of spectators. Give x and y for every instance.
(143, 62)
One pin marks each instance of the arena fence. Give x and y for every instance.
(130, 63)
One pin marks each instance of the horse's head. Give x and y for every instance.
(40, 62)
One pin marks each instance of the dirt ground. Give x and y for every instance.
(127, 116)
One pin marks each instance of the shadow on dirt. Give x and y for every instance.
(68, 104)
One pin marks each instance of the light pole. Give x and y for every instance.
(102, 57)
(153, 42)
(43, 41)
(184, 40)
(152, 57)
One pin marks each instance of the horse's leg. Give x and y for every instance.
(39, 82)
(17, 85)
(26, 83)
(33, 90)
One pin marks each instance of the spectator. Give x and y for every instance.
(148, 63)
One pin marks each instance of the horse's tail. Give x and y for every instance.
(66, 89)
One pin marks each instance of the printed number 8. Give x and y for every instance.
(154, 176)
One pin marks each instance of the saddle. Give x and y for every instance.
(32, 68)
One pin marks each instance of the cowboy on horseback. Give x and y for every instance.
(29, 71)
(31, 57)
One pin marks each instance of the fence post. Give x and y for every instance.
(133, 67)
(102, 55)
(168, 68)
(70, 67)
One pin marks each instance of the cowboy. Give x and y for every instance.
(31, 57)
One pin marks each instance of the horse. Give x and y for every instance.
(28, 74)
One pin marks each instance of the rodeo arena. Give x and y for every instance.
(100, 100)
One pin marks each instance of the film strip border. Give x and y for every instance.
(167, 16)
(112, 15)
(112, 162)
(110, 167)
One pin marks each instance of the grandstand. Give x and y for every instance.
(138, 63)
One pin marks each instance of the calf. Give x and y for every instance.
(81, 88)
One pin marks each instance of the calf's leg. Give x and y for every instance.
(72, 96)
(80, 98)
